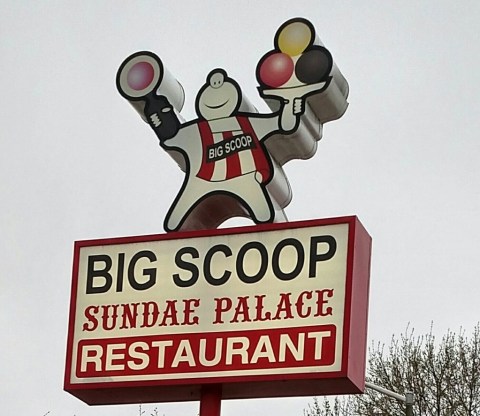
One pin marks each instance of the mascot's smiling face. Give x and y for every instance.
(220, 97)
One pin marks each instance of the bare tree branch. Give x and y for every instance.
(443, 374)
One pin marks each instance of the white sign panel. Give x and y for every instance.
(219, 307)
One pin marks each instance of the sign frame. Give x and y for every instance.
(350, 379)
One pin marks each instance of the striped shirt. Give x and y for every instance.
(233, 153)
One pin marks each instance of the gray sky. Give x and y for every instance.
(76, 162)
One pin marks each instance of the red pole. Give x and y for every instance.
(210, 400)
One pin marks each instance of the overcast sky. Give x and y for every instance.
(76, 162)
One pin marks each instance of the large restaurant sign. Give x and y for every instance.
(274, 309)
(264, 311)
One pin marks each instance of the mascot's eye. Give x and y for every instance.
(166, 109)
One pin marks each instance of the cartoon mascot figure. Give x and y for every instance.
(229, 169)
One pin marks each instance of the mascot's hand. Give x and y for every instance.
(298, 106)
(161, 117)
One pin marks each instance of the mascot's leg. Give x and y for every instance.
(191, 193)
(254, 196)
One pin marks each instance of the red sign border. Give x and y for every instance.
(350, 379)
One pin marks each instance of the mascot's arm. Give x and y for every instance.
(265, 124)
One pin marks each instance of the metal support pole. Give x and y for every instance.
(210, 400)
(408, 399)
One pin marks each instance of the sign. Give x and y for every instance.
(264, 311)
(232, 155)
